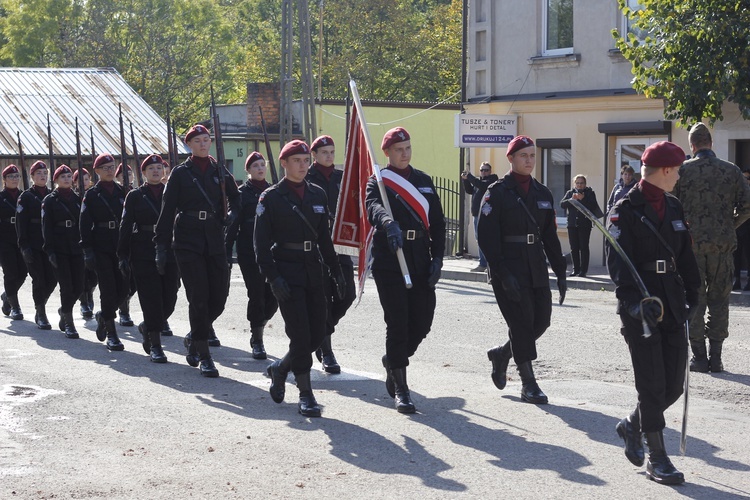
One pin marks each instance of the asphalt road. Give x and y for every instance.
(77, 421)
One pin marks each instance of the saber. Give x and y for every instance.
(647, 297)
(685, 398)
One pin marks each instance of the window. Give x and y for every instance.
(556, 170)
(481, 52)
(558, 27)
(628, 24)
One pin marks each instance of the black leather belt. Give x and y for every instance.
(35, 221)
(659, 266)
(412, 234)
(199, 214)
(306, 246)
(110, 224)
(529, 239)
(9, 220)
(67, 223)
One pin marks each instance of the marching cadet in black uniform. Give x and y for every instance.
(14, 268)
(61, 211)
(89, 279)
(157, 293)
(192, 211)
(291, 235)
(516, 229)
(30, 241)
(100, 220)
(408, 312)
(649, 224)
(124, 309)
(261, 304)
(323, 174)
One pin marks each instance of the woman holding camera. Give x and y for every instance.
(579, 227)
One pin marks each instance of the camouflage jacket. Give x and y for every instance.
(716, 199)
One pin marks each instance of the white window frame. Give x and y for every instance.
(551, 52)
(625, 27)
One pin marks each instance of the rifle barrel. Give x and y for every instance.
(269, 153)
(137, 160)
(220, 155)
(22, 162)
(124, 156)
(79, 159)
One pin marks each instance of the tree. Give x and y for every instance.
(694, 55)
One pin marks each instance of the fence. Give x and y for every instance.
(450, 197)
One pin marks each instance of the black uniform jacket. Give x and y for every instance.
(179, 223)
(8, 235)
(277, 225)
(139, 218)
(60, 219)
(643, 247)
(100, 218)
(29, 219)
(505, 230)
(331, 186)
(418, 252)
(476, 187)
(576, 218)
(243, 226)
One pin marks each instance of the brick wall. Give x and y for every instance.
(267, 95)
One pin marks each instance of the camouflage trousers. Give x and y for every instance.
(717, 274)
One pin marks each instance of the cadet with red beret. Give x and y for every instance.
(61, 211)
(649, 224)
(124, 308)
(14, 268)
(90, 279)
(31, 242)
(323, 174)
(416, 225)
(291, 234)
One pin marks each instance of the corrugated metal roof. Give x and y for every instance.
(27, 95)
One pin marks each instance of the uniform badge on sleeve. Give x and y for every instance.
(425, 190)
(260, 209)
(19, 208)
(486, 208)
(319, 209)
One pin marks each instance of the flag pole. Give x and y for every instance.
(378, 177)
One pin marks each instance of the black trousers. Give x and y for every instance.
(90, 280)
(70, 276)
(408, 314)
(206, 280)
(43, 280)
(14, 268)
(659, 367)
(305, 325)
(337, 307)
(261, 303)
(113, 289)
(527, 320)
(579, 247)
(157, 294)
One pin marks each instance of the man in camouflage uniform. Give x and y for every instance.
(716, 200)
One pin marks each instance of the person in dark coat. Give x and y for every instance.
(261, 303)
(518, 234)
(123, 312)
(31, 242)
(418, 228)
(323, 174)
(742, 252)
(650, 226)
(579, 227)
(476, 187)
(89, 279)
(157, 293)
(11, 259)
(61, 211)
(291, 236)
(624, 184)
(192, 222)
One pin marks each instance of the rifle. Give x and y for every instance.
(135, 157)
(81, 183)
(174, 146)
(22, 162)
(220, 156)
(93, 154)
(269, 154)
(170, 145)
(124, 156)
(51, 165)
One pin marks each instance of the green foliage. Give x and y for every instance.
(694, 55)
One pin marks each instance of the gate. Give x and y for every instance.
(450, 197)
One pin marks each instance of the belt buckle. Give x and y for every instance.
(111, 225)
(12, 220)
(661, 267)
(308, 246)
(411, 234)
(68, 223)
(202, 215)
(530, 239)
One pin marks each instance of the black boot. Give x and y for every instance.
(69, 328)
(277, 372)
(101, 329)
(113, 341)
(256, 342)
(389, 385)
(125, 319)
(61, 324)
(193, 359)
(659, 468)
(633, 438)
(402, 397)
(6, 304)
(146, 337)
(166, 331)
(157, 353)
(90, 300)
(715, 362)
(737, 284)
(307, 406)
(213, 341)
(207, 366)
(15, 308)
(500, 357)
(86, 312)
(40, 318)
(330, 365)
(530, 391)
(699, 361)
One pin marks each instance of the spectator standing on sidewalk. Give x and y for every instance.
(579, 227)
(476, 187)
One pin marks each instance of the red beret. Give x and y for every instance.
(323, 140)
(296, 147)
(195, 131)
(36, 166)
(62, 169)
(75, 174)
(119, 170)
(663, 154)
(103, 159)
(151, 160)
(394, 136)
(10, 169)
(252, 158)
(165, 163)
(519, 142)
